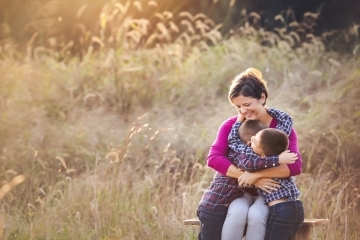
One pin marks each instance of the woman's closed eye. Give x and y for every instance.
(244, 105)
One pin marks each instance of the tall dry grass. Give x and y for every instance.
(113, 145)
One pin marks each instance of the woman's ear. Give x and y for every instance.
(248, 143)
(263, 99)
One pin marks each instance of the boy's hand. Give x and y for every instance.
(287, 157)
(240, 118)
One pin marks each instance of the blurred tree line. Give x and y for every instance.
(65, 20)
(333, 14)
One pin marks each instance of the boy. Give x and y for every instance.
(286, 213)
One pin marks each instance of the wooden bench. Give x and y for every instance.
(304, 233)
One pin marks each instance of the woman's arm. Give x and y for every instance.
(219, 149)
(281, 171)
(296, 167)
(234, 172)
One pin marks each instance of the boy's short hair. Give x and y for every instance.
(250, 128)
(273, 141)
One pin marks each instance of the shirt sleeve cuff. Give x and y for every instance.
(224, 168)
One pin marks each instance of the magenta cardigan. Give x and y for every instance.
(219, 149)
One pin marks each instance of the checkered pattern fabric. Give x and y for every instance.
(221, 192)
(287, 190)
(244, 158)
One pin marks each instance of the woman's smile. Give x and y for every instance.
(249, 107)
(247, 115)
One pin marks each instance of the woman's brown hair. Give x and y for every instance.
(249, 83)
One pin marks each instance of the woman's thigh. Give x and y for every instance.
(211, 223)
(236, 218)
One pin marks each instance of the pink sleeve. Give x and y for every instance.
(296, 167)
(219, 149)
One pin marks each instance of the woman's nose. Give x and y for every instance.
(243, 110)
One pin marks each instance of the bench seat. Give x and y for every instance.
(304, 233)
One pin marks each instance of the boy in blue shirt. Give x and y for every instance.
(286, 212)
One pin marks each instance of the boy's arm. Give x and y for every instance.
(259, 163)
(245, 158)
(234, 138)
(284, 120)
(253, 164)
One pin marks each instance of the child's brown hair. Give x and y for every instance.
(272, 141)
(249, 128)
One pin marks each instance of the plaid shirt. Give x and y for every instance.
(221, 192)
(244, 158)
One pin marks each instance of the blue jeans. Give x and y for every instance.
(211, 222)
(284, 220)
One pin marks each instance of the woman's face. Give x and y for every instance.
(249, 107)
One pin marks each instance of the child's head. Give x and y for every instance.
(264, 141)
(249, 128)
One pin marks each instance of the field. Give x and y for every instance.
(113, 144)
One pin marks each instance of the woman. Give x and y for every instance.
(248, 93)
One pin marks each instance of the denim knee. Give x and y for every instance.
(211, 222)
(284, 220)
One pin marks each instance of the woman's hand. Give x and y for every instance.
(248, 179)
(267, 184)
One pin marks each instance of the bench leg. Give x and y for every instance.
(304, 233)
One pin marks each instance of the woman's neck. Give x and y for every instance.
(265, 118)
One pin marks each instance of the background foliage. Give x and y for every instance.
(55, 23)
